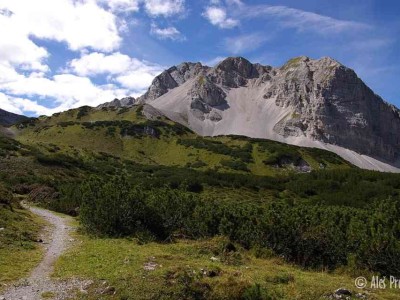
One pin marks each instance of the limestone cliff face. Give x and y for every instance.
(331, 104)
(172, 78)
(117, 103)
(306, 101)
(234, 72)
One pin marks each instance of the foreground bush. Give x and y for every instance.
(310, 235)
(6, 196)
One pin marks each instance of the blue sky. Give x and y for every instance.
(59, 54)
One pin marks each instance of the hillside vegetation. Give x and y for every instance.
(19, 248)
(127, 134)
(157, 182)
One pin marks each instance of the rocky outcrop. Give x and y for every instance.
(172, 78)
(331, 104)
(205, 96)
(8, 118)
(236, 71)
(117, 103)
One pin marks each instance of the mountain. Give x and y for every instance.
(312, 103)
(124, 102)
(140, 135)
(8, 118)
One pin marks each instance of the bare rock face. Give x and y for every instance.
(172, 78)
(205, 96)
(331, 104)
(124, 102)
(207, 92)
(235, 71)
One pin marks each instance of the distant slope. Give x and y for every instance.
(8, 118)
(310, 103)
(128, 134)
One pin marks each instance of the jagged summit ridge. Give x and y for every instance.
(124, 102)
(172, 78)
(307, 102)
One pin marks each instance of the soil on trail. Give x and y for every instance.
(56, 239)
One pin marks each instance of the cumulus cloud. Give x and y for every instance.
(218, 17)
(18, 49)
(79, 24)
(9, 105)
(126, 77)
(131, 73)
(164, 8)
(99, 63)
(22, 105)
(65, 90)
(88, 26)
(166, 33)
(121, 5)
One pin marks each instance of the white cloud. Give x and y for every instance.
(99, 63)
(121, 5)
(164, 8)
(126, 77)
(245, 43)
(166, 33)
(66, 91)
(88, 26)
(8, 73)
(135, 80)
(80, 24)
(22, 106)
(218, 17)
(7, 104)
(298, 19)
(17, 48)
(131, 73)
(217, 14)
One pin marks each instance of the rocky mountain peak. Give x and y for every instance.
(239, 65)
(236, 71)
(172, 78)
(306, 101)
(124, 102)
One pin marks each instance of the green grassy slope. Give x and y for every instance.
(185, 270)
(125, 133)
(19, 251)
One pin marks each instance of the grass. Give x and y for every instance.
(184, 266)
(48, 295)
(52, 135)
(19, 252)
(292, 63)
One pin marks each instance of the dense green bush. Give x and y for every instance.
(242, 153)
(6, 196)
(235, 165)
(113, 208)
(83, 111)
(316, 236)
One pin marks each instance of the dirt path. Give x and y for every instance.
(56, 238)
